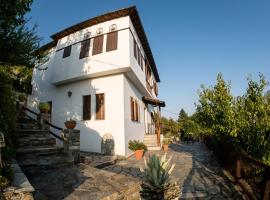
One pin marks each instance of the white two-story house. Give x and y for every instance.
(100, 72)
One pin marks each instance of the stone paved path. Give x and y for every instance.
(196, 171)
(81, 182)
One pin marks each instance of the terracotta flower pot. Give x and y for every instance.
(44, 110)
(70, 124)
(139, 154)
(165, 147)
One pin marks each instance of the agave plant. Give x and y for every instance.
(156, 176)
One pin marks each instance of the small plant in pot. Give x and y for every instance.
(156, 179)
(138, 147)
(22, 98)
(44, 107)
(165, 144)
(70, 124)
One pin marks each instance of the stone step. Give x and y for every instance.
(25, 120)
(33, 125)
(150, 143)
(150, 136)
(150, 139)
(39, 150)
(40, 160)
(33, 141)
(153, 148)
(32, 132)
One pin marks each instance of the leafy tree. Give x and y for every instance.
(170, 127)
(216, 110)
(253, 119)
(183, 116)
(18, 44)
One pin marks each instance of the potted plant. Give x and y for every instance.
(138, 147)
(44, 107)
(22, 98)
(165, 145)
(70, 124)
(156, 179)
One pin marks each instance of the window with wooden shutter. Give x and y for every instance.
(100, 106)
(156, 88)
(87, 107)
(85, 46)
(98, 45)
(132, 108)
(135, 48)
(112, 39)
(67, 51)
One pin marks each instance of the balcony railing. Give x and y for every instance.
(150, 129)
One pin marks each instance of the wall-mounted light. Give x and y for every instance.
(69, 93)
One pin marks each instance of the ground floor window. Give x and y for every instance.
(134, 107)
(100, 106)
(87, 107)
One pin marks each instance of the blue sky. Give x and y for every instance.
(191, 40)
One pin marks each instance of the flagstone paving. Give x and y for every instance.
(196, 171)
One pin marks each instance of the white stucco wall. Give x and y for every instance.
(92, 131)
(134, 130)
(73, 67)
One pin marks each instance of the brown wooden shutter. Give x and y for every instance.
(67, 51)
(98, 45)
(85, 45)
(87, 107)
(137, 110)
(112, 39)
(131, 108)
(100, 106)
(135, 48)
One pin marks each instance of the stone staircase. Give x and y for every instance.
(36, 147)
(151, 142)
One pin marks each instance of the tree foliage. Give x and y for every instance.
(18, 43)
(216, 109)
(243, 121)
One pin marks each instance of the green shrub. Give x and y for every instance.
(3, 183)
(7, 107)
(166, 141)
(8, 153)
(6, 176)
(134, 145)
(7, 172)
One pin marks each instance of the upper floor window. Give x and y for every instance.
(134, 108)
(112, 39)
(67, 51)
(155, 87)
(137, 53)
(85, 46)
(98, 45)
(135, 48)
(100, 106)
